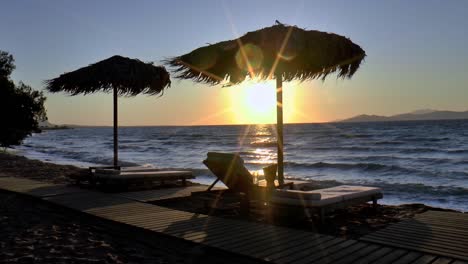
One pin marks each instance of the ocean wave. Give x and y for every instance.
(421, 188)
(457, 151)
(346, 166)
(264, 144)
(355, 135)
(418, 150)
(389, 142)
(340, 166)
(341, 148)
(408, 138)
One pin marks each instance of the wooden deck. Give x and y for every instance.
(252, 240)
(435, 232)
(165, 193)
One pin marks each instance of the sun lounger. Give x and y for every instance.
(229, 168)
(127, 176)
(323, 200)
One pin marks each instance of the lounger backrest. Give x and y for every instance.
(229, 168)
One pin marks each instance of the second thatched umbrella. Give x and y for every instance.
(282, 52)
(117, 74)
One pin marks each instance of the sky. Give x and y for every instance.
(416, 57)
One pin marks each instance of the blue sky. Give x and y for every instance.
(417, 56)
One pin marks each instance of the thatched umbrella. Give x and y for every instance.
(283, 52)
(121, 75)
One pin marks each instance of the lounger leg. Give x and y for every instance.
(374, 204)
(322, 216)
(212, 185)
(184, 182)
(245, 205)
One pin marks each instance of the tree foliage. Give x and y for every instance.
(21, 107)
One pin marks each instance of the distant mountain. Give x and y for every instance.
(46, 125)
(422, 111)
(425, 114)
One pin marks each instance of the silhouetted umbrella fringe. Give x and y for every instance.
(129, 76)
(280, 51)
(308, 54)
(121, 75)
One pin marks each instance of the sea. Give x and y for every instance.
(412, 161)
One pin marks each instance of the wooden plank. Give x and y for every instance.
(326, 253)
(460, 262)
(430, 238)
(431, 250)
(162, 194)
(418, 227)
(408, 258)
(442, 260)
(170, 215)
(442, 213)
(132, 210)
(353, 257)
(446, 219)
(341, 253)
(235, 236)
(137, 220)
(442, 221)
(254, 237)
(36, 188)
(167, 227)
(277, 242)
(190, 227)
(418, 242)
(419, 245)
(128, 208)
(451, 217)
(87, 201)
(461, 226)
(309, 250)
(285, 245)
(392, 256)
(299, 246)
(424, 259)
(374, 256)
(22, 185)
(214, 228)
(447, 215)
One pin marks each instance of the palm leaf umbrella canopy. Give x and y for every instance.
(120, 75)
(282, 52)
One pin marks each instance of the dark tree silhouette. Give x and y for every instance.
(21, 107)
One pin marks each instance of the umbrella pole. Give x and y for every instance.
(279, 126)
(116, 147)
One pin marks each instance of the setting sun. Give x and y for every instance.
(255, 102)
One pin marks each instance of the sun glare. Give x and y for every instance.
(255, 102)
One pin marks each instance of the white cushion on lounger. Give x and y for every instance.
(329, 196)
(107, 171)
(297, 194)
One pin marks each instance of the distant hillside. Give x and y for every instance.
(425, 114)
(46, 125)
